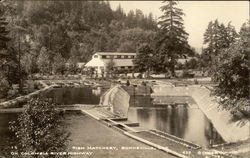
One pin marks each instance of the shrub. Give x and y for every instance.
(4, 88)
(40, 128)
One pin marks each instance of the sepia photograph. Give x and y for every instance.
(124, 79)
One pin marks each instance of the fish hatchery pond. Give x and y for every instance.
(176, 119)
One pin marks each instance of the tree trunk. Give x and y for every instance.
(147, 74)
(172, 67)
(19, 68)
(172, 70)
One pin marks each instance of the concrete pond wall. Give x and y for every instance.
(17, 102)
(118, 99)
(138, 90)
(231, 131)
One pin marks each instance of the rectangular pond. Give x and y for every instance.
(79, 95)
(176, 119)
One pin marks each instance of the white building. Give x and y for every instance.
(121, 61)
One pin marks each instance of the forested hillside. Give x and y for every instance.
(70, 31)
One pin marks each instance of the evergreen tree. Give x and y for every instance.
(130, 20)
(144, 58)
(73, 60)
(3, 43)
(172, 38)
(43, 61)
(4, 58)
(3, 35)
(59, 66)
(216, 38)
(232, 34)
(211, 39)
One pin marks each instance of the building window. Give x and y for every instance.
(104, 56)
(118, 57)
(95, 56)
(122, 67)
(125, 57)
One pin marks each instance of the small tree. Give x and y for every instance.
(144, 59)
(39, 128)
(192, 64)
(72, 67)
(59, 64)
(43, 61)
(110, 68)
(91, 72)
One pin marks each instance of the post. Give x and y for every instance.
(134, 93)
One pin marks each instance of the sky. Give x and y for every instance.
(197, 14)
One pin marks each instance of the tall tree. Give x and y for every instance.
(211, 41)
(216, 38)
(4, 58)
(172, 38)
(232, 34)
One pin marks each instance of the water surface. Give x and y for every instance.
(69, 95)
(176, 119)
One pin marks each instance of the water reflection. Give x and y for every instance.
(83, 95)
(177, 119)
(97, 91)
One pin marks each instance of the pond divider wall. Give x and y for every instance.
(17, 102)
(138, 90)
(117, 99)
(231, 131)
